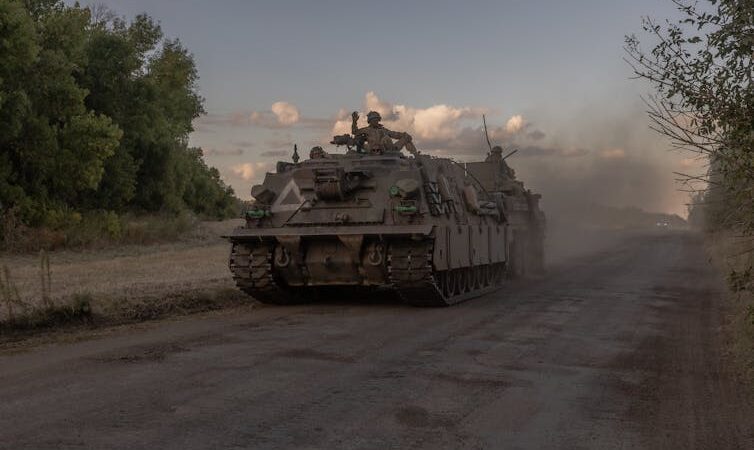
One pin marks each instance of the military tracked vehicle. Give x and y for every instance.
(434, 230)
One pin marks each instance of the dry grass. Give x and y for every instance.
(726, 251)
(128, 282)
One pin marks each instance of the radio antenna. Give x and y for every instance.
(486, 135)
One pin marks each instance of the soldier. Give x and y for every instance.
(317, 153)
(380, 139)
(496, 155)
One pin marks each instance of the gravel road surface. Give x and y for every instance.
(622, 348)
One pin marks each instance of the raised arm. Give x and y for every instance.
(354, 120)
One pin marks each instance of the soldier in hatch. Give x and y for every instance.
(496, 156)
(318, 153)
(378, 138)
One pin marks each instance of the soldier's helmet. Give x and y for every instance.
(497, 149)
(373, 115)
(316, 153)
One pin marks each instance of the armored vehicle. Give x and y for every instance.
(434, 230)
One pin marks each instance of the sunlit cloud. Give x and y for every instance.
(280, 115)
(437, 122)
(249, 171)
(514, 124)
(286, 113)
(613, 153)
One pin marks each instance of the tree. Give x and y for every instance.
(701, 68)
(53, 148)
(95, 114)
(18, 51)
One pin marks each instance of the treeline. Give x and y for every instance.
(95, 115)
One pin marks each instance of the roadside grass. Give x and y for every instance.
(42, 308)
(727, 252)
(111, 311)
(85, 310)
(21, 315)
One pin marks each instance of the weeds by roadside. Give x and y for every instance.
(121, 285)
(9, 294)
(21, 315)
(726, 252)
(87, 309)
(76, 311)
(94, 312)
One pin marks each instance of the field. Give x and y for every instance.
(129, 279)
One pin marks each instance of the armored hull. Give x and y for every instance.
(435, 231)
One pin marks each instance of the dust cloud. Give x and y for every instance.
(603, 186)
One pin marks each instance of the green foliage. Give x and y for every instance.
(95, 115)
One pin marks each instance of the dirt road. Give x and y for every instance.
(619, 349)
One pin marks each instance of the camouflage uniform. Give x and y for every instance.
(317, 153)
(496, 156)
(380, 139)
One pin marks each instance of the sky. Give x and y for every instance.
(549, 76)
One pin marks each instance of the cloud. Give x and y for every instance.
(434, 123)
(280, 115)
(223, 152)
(439, 121)
(249, 171)
(536, 135)
(279, 142)
(286, 113)
(274, 153)
(613, 153)
(373, 103)
(514, 124)
(454, 131)
(263, 119)
(244, 144)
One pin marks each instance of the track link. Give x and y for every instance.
(414, 278)
(251, 266)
